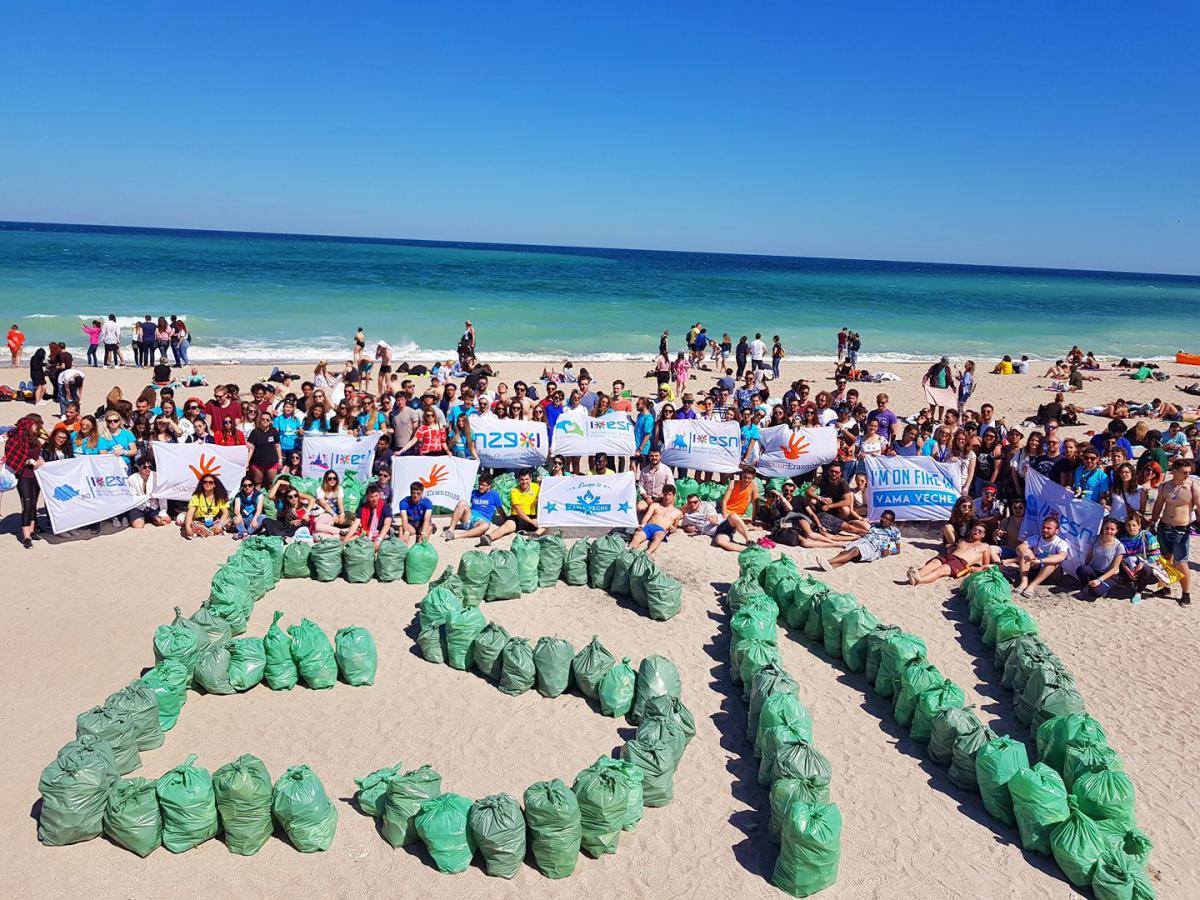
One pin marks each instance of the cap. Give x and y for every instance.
(989, 489)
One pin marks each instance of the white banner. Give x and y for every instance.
(707, 446)
(447, 479)
(86, 490)
(945, 397)
(578, 434)
(1079, 521)
(915, 488)
(180, 466)
(509, 443)
(340, 452)
(787, 451)
(598, 501)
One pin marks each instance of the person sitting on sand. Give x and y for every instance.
(1101, 569)
(1007, 533)
(968, 555)
(659, 520)
(836, 499)
(416, 514)
(523, 501)
(473, 517)
(1042, 558)
(1004, 367)
(739, 498)
(880, 541)
(962, 520)
(1058, 371)
(208, 509)
(374, 519)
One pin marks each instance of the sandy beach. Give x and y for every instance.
(82, 613)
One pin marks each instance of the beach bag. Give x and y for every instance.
(304, 810)
(618, 573)
(313, 654)
(132, 818)
(430, 640)
(753, 560)
(279, 671)
(555, 827)
(402, 802)
(189, 807)
(527, 553)
(995, 763)
(897, 651)
(946, 695)
(601, 556)
(641, 570)
(664, 595)
(488, 646)
(517, 672)
(461, 630)
(657, 676)
(420, 563)
(358, 560)
(505, 581)
(741, 590)
(475, 571)
(1057, 733)
(168, 681)
(917, 676)
(948, 726)
(575, 564)
(247, 662)
(295, 559)
(1116, 877)
(810, 849)
(603, 797)
(325, 560)
(1077, 845)
(657, 759)
(137, 703)
(182, 641)
(389, 559)
(354, 652)
(1105, 795)
(243, 792)
(1039, 802)
(212, 671)
(589, 667)
(552, 661)
(442, 827)
(118, 730)
(857, 624)
(770, 680)
(616, 689)
(372, 789)
(962, 761)
(219, 624)
(496, 826)
(672, 710)
(788, 791)
(552, 555)
(74, 791)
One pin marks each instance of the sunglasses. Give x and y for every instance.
(113, 421)
(208, 481)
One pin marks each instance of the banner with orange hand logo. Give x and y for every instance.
(447, 480)
(790, 451)
(181, 466)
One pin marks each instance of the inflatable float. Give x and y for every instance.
(1187, 359)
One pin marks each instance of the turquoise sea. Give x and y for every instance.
(289, 297)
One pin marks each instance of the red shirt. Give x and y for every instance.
(431, 440)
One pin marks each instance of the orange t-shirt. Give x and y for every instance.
(739, 498)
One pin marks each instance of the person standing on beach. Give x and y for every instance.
(776, 356)
(1177, 505)
(466, 344)
(110, 336)
(758, 350)
(741, 354)
(383, 353)
(16, 341)
(93, 333)
(842, 338)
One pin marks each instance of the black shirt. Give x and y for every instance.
(265, 444)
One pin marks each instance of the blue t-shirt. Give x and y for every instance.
(484, 505)
(1093, 484)
(749, 433)
(287, 426)
(366, 424)
(123, 439)
(415, 511)
(643, 429)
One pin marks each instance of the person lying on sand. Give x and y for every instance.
(660, 519)
(882, 540)
(968, 554)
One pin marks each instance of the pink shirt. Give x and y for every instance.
(93, 334)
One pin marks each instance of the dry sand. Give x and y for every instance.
(79, 616)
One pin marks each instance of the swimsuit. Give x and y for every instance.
(651, 530)
(958, 566)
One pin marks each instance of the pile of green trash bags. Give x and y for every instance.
(358, 561)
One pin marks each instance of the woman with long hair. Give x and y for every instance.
(778, 416)
(208, 510)
(1128, 497)
(332, 500)
(87, 438)
(22, 457)
(962, 519)
(314, 418)
(461, 440)
(322, 379)
(248, 502)
(162, 339)
(346, 420)
(964, 457)
(229, 435)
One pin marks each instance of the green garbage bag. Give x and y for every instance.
(1105, 795)
(74, 789)
(189, 807)
(505, 581)
(358, 560)
(753, 655)
(684, 487)
(243, 793)
(764, 606)
(118, 730)
(437, 606)
(1116, 877)
(946, 695)
(995, 763)
(1039, 802)
(618, 573)
(787, 791)
(1084, 757)
(834, 608)
(313, 655)
(475, 570)
(774, 572)
(431, 641)
(402, 802)
(616, 689)
(182, 640)
(986, 584)
(1006, 658)
(552, 659)
(575, 563)
(1012, 622)
(657, 759)
(552, 556)
(1050, 691)
(137, 703)
(962, 758)
(325, 560)
(672, 709)
(950, 724)
(273, 547)
(633, 777)
(372, 789)
(450, 581)
(917, 676)
(555, 827)
(219, 626)
(231, 596)
(601, 556)
(798, 758)
(280, 672)
(656, 676)
(257, 569)
(353, 492)
(295, 559)
(857, 624)
(1023, 661)
(589, 667)
(461, 630)
(496, 826)
(212, 671)
(304, 810)
(1077, 845)
(503, 485)
(641, 571)
(770, 680)
(666, 729)
(753, 560)
(1055, 734)
(784, 719)
(389, 559)
(603, 801)
(1130, 841)
(420, 562)
(131, 816)
(745, 587)
(810, 849)
(875, 641)
(784, 589)
(489, 644)
(527, 553)
(664, 595)
(247, 662)
(442, 827)
(991, 610)
(168, 680)
(896, 652)
(806, 604)
(354, 652)
(517, 671)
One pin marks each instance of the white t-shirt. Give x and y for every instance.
(1121, 508)
(700, 518)
(757, 349)
(67, 376)
(1055, 545)
(110, 333)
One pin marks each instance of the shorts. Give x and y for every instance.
(724, 529)
(384, 370)
(1173, 541)
(523, 527)
(867, 551)
(957, 565)
(651, 530)
(830, 522)
(496, 519)
(146, 514)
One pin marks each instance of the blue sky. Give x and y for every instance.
(1048, 134)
